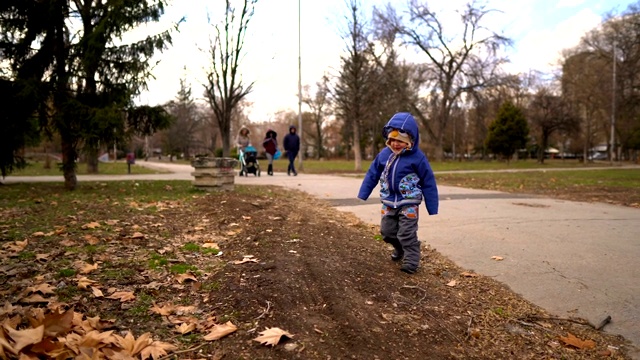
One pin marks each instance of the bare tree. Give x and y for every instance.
(549, 114)
(319, 106)
(456, 64)
(224, 88)
(617, 40)
(583, 74)
(350, 92)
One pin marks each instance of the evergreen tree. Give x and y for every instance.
(66, 53)
(508, 132)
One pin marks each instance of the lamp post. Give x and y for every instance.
(613, 106)
(300, 166)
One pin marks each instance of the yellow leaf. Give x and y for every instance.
(84, 267)
(91, 225)
(35, 298)
(182, 277)
(220, 331)
(166, 310)
(24, 338)
(84, 282)
(92, 240)
(211, 246)
(272, 336)
(122, 296)
(130, 344)
(96, 292)
(185, 328)
(497, 258)
(43, 289)
(572, 340)
(42, 257)
(156, 350)
(452, 283)
(38, 234)
(56, 324)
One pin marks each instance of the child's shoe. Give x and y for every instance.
(397, 255)
(409, 269)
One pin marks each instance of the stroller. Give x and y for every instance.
(249, 162)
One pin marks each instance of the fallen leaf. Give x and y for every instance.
(34, 299)
(43, 289)
(42, 257)
(182, 277)
(133, 345)
(84, 267)
(211, 246)
(56, 324)
(156, 350)
(165, 310)
(137, 235)
(452, 283)
(220, 331)
(84, 282)
(497, 258)
(185, 328)
(122, 296)
(38, 234)
(96, 292)
(91, 240)
(572, 340)
(23, 338)
(91, 225)
(272, 336)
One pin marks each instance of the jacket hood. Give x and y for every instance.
(406, 122)
(270, 131)
(244, 128)
(293, 127)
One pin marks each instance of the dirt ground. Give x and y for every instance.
(292, 262)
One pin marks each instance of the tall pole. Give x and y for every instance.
(613, 107)
(302, 148)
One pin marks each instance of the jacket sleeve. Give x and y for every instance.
(429, 187)
(371, 179)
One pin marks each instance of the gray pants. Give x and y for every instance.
(399, 227)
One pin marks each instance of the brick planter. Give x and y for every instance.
(214, 174)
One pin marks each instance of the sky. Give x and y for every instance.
(540, 30)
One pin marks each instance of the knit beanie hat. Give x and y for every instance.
(400, 136)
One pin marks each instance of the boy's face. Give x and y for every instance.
(397, 145)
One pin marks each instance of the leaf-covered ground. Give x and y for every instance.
(110, 271)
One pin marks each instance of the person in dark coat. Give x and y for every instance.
(270, 145)
(291, 145)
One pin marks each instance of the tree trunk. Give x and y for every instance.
(69, 156)
(92, 159)
(357, 152)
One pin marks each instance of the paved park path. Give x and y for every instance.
(572, 258)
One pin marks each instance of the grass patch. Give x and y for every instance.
(613, 178)
(65, 273)
(182, 268)
(141, 308)
(157, 261)
(191, 247)
(67, 293)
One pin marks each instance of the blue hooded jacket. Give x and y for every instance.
(408, 177)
